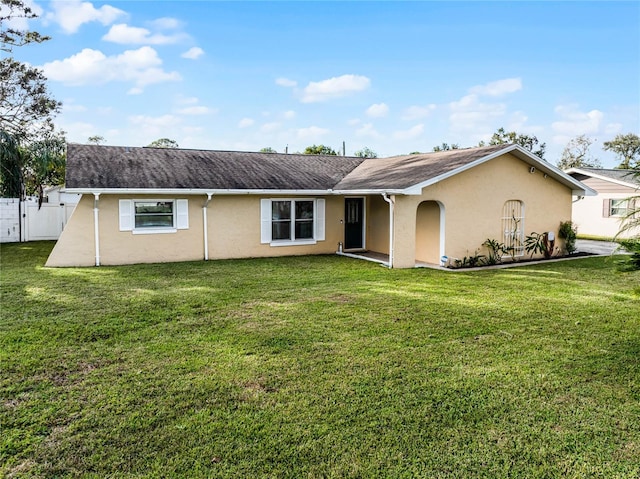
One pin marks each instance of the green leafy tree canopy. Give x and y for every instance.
(319, 150)
(576, 154)
(163, 143)
(627, 149)
(528, 142)
(366, 152)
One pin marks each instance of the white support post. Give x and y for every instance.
(205, 227)
(96, 229)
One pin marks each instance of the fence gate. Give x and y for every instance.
(44, 223)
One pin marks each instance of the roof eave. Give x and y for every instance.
(601, 177)
(577, 187)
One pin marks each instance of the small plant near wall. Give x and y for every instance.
(568, 232)
(536, 243)
(496, 250)
(469, 261)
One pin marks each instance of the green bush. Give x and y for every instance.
(568, 232)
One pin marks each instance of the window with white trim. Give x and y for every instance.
(616, 207)
(513, 227)
(292, 221)
(153, 216)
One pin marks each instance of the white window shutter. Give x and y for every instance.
(182, 214)
(265, 221)
(606, 208)
(320, 222)
(125, 208)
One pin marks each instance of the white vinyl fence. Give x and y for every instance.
(24, 221)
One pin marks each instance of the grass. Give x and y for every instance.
(317, 367)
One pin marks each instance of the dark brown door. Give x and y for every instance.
(353, 223)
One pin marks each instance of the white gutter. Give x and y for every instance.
(96, 229)
(260, 192)
(391, 201)
(206, 229)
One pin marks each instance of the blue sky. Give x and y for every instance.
(392, 76)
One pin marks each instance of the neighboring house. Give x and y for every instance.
(601, 215)
(144, 205)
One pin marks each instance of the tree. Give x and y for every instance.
(527, 142)
(576, 154)
(366, 152)
(446, 147)
(31, 153)
(319, 150)
(267, 149)
(163, 143)
(11, 163)
(96, 140)
(44, 163)
(627, 148)
(11, 37)
(26, 107)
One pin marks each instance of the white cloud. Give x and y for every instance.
(196, 110)
(187, 100)
(470, 115)
(289, 115)
(166, 23)
(409, 134)
(311, 133)
(246, 122)
(574, 122)
(150, 128)
(354, 122)
(193, 53)
(72, 14)
(415, 112)
(125, 35)
(498, 88)
(368, 130)
(270, 127)
(69, 105)
(286, 82)
(92, 67)
(334, 88)
(378, 110)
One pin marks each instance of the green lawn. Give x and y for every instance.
(317, 367)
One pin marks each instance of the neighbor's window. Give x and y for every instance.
(618, 207)
(513, 226)
(154, 214)
(291, 220)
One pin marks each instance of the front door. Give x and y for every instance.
(353, 223)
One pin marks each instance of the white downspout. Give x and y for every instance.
(391, 201)
(206, 229)
(96, 229)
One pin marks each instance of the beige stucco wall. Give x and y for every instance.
(428, 232)
(377, 230)
(233, 232)
(473, 202)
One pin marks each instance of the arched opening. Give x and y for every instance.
(430, 232)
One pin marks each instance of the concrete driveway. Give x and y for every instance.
(597, 247)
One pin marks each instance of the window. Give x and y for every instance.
(513, 226)
(617, 208)
(153, 216)
(292, 221)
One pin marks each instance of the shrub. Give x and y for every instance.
(568, 232)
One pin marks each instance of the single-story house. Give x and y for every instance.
(601, 215)
(144, 205)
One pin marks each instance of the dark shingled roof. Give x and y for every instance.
(619, 175)
(118, 167)
(400, 172)
(93, 166)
